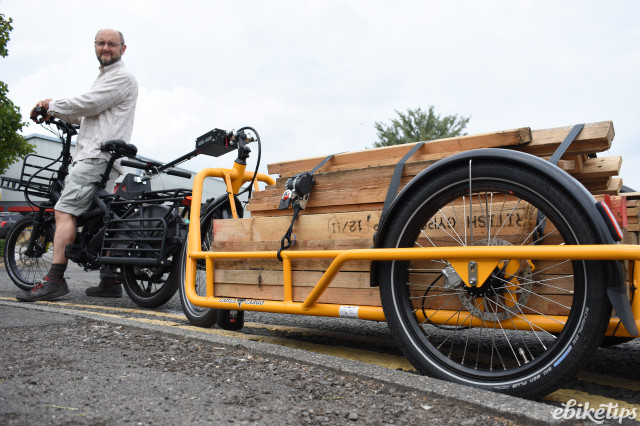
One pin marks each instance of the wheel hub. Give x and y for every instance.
(500, 296)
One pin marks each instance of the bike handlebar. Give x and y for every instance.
(40, 115)
(153, 168)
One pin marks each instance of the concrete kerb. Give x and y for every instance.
(516, 409)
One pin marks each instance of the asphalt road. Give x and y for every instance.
(83, 360)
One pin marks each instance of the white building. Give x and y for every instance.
(48, 147)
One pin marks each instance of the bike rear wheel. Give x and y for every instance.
(530, 326)
(25, 270)
(150, 287)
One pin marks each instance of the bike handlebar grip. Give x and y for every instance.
(178, 173)
(40, 115)
(134, 164)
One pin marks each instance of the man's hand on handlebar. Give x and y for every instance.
(39, 113)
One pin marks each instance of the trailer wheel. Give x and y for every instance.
(532, 324)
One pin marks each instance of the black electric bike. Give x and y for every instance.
(135, 231)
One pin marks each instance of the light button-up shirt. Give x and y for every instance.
(105, 112)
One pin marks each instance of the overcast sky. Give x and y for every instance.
(313, 76)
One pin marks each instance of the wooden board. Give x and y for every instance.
(359, 180)
(391, 155)
(594, 137)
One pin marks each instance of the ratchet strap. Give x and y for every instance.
(299, 202)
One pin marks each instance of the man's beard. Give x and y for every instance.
(113, 60)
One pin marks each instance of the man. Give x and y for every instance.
(104, 113)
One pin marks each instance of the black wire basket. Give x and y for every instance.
(37, 176)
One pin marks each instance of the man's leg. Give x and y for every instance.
(54, 285)
(65, 234)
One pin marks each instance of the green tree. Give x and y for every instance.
(12, 145)
(417, 125)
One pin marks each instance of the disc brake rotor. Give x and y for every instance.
(502, 295)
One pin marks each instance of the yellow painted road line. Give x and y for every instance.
(106, 308)
(324, 333)
(283, 328)
(383, 360)
(614, 382)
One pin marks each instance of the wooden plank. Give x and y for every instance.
(342, 226)
(599, 167)
(343, 296)
(511, 217)
(336, 189)
(594, 137)
(614, 187)
(550, 305)
(258, 278)
(390, 155)
(574, 163)
(345, 208)
(632, 195)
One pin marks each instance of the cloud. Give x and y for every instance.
(313, 77)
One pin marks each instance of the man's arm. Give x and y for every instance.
(107, 94)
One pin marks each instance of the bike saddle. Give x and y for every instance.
(121, 147)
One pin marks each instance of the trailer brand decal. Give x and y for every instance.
(348, 312)
(241, 301)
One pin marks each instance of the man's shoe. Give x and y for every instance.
(104, 289)
(44, 290)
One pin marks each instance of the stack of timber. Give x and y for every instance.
(347, 199)
(359, 180)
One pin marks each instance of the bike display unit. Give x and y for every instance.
(493, 267)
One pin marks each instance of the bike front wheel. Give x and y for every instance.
(197, 315)
(26, 267)
(531, 324)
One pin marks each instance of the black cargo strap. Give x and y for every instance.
(541, 220)
(286, 240)
(395, 179)
(555, 158)
(322, 163)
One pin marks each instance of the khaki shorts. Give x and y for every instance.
(82, 183)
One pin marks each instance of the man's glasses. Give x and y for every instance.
(103, 43)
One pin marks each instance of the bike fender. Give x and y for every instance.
(580, 196)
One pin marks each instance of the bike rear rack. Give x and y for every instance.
(139, 236)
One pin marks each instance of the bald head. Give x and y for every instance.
(110, 31)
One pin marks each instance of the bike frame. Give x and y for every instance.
(104, 206)
(486, 258)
